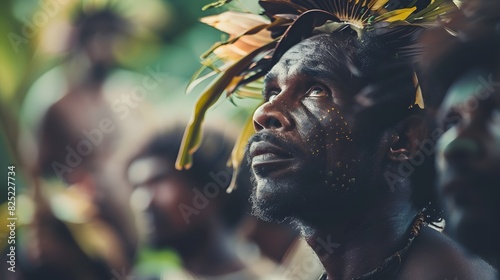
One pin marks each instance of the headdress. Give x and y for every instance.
(257, 42)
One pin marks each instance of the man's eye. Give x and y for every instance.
(271, 94)
(317, 91)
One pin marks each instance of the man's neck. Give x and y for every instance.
(213, 253)
(361, 244)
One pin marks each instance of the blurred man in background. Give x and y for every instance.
(80, 228)
(464, 65)
(190, 211)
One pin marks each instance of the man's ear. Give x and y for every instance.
(409, 135)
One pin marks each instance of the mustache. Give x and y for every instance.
(265, 136)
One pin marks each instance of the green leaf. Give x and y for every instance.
(238, 152)
(217, 4)
(192, 136)
(197, 79)
(249, 91)
(437, 7)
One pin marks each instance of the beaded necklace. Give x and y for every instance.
(395, 260)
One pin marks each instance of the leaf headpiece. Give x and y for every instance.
(257, 42)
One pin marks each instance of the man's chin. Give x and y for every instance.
(272, 203)
(268, 213)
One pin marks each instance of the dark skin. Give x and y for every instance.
(310, 169)
(468, 161)
(205, 245)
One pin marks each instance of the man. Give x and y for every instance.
(310, 168)
(74, 170)
(338, 130)
(467, 71)
(190, 212)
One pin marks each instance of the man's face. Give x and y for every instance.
(303, 157)
(468, 157)
(159, 193)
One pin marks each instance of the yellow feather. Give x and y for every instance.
(378, 4)
(419, 98)
(396, 15)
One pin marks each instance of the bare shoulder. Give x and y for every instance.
(434, 256)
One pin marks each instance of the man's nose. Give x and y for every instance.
(272, 116)
(467, 142)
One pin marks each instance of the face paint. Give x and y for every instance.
(308, 113)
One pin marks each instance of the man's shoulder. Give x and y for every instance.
(435, 256)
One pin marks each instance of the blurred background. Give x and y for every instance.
(84, 87)
(39, 41)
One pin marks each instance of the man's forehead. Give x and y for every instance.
(472, 84)
(145, 169)
(303, 59)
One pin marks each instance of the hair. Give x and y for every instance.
(100, 21)
(211, 157)
(378, 71)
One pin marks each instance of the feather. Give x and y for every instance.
(377, 5)
(396, 15)
(419, 98)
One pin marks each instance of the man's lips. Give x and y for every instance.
(265, 153)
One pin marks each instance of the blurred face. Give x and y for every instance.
(165, 195)
(106, 36)
(468, 158)
(303, 157)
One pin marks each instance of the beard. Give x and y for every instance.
(306, 199)
(274, 203)
(301, 200)
(304, 193)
